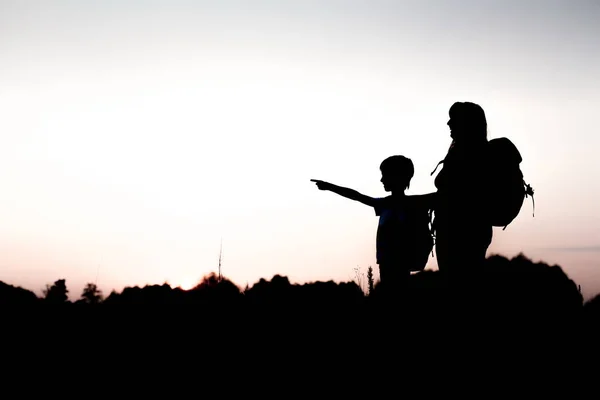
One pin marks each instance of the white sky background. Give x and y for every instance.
(134, 135)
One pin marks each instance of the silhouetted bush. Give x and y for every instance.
(16, 296)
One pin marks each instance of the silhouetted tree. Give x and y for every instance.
(91, 294)
(215, 290)
(57, 293)
(370, 280)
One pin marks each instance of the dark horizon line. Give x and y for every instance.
(591, 249)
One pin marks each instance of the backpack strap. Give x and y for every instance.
(528, 192)
(432, 231)
(436, 167)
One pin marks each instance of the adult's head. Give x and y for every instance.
(467, 123)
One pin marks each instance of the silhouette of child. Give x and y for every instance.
(403, 241)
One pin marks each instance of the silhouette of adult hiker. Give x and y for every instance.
(403, 241)
(463, 230)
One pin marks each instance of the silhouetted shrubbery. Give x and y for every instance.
(505, 290)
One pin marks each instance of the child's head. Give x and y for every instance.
(396, 173)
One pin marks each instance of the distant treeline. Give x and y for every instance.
(513, 309)
(509, 285)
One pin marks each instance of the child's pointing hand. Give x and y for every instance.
(322, 185)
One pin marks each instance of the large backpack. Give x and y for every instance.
(507, 189)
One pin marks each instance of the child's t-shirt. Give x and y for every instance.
(403, 231)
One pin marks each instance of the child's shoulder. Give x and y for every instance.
(387, 202)
(411, 203)
(416, 203)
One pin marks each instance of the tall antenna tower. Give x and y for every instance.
(220, 257)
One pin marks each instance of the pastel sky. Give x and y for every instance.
(135, 136)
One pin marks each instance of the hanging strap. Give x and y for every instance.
(529, 192)
(436, 167)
